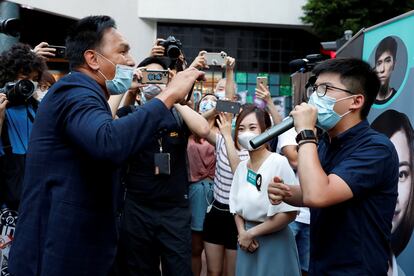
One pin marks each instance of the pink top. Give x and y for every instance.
(201, 160)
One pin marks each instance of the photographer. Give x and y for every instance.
(71, 190)
(18, 63)
(172, 49)
(155, 222)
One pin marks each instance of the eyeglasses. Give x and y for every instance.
(322, 88)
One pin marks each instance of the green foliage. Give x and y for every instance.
(330, 18)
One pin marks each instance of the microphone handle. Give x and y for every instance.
(274, 131)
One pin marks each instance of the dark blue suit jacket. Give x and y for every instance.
(67, 222)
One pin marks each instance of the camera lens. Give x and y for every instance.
(11, 26)
(173, 52)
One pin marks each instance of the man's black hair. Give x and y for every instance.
(163, 61)
(20, 59)
(86, 34)
(356, 75)
(388, 44)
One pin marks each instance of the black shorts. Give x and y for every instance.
(220, 227)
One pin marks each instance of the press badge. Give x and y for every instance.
(162, 161)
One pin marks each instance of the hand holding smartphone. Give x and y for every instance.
(215, 59)
(259, 102)
(60, 51)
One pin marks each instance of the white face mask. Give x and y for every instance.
(244, 139)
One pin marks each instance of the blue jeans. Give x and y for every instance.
(201, 195)
(301, 233)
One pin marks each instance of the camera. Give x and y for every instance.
(18, 92)
(11, 26)
(172, 47)
(306, 64)
(154, 76)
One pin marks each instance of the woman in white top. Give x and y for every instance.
(266, 244)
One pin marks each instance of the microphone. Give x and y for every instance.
(274, 131)
(299, 65)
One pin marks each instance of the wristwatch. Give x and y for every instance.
(306, 134)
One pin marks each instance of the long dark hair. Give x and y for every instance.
(388, 123)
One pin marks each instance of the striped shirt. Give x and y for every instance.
(224, 176)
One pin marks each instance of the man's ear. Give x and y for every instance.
(91, 59)
(359, 101)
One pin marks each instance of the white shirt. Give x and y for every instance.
(254, 205)
(287, 138)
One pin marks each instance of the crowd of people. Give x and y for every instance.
(115, 177)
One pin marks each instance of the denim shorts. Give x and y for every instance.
(301, 233)
(201, 196)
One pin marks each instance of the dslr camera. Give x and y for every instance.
(172, 47)
(18, 92)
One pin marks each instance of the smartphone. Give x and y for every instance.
(215, 59)
(154, 76)
(258, 101)
(228, 106)
(60, 51)
(261, 80)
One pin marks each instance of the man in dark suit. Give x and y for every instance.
(67, 223)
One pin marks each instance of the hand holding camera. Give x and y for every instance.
(157, 50)
(180, 86)
(170, 47)
(18, 92)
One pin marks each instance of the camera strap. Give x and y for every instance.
(5, 139)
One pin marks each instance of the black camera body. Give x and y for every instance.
(172, 47)
(18, 92)
(10, 26)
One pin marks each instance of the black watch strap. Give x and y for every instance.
(306, 134)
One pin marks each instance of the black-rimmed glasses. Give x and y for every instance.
(321, 89)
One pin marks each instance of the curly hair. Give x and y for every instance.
(20, 60)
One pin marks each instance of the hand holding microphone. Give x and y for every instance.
(302, 117)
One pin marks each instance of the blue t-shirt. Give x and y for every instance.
(353, 237)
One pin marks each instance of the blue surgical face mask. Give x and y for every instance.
(327, 117)
(150, 91)
(220, 94)
(122, 80)
(206, 105)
